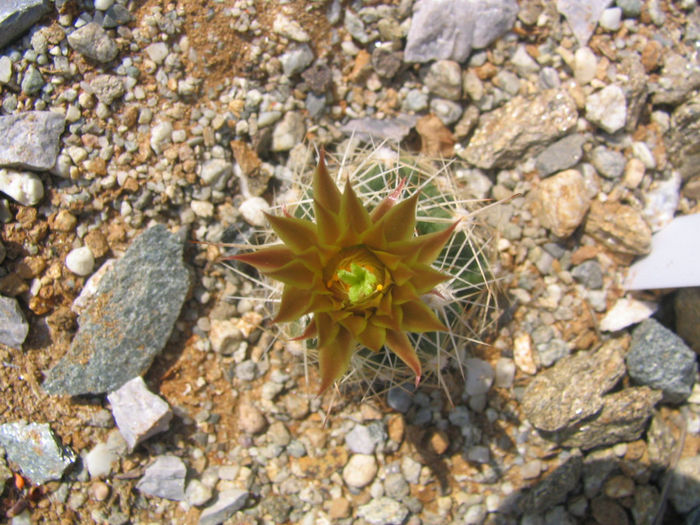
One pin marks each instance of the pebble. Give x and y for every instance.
(619, 227)
(560, 155)
(383, 511)
(585, 65)
(660, 359)
(94, 43)
(32, 81)
(630, 8)
(100, 490)
(661, 201)
(611, 19)
(360, 470)
(80, 261)
(157, 52)
(562, 202)
(634, 173)
(164, 478)
(479, 376)
(253, 211)
(444, 79)
(13, 326)
(590, 274)
(296, 59)
(216, 172)
(226, 504)
(138, 413)
(250, 419)
(626, 312)
(197, 493)
(504, 373)
(607, 108)
(684, 482)
(289, 28)
(582, 17)
(161, 135)
(446, 110)
(523, 354)
(5, 69)
(31, 139)
(99, 460)
(288, 132)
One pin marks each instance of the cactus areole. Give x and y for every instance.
(360, 274)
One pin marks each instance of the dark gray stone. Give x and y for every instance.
(16, 16)
(386, 62)
(684, 490)
(116, 15)
(552, 490)
(227, 503)
(660, 359)
(391, 129)
(13, 325)
(164, 478)
(449, 29)
(36, 450)
(129, 320)
(561, 155)
(94, 43)
(589, 274)
(30, 140)
(32, 81)
(687, 308)
(400, 398)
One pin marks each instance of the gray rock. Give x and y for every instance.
(315, 104)
(157, 51)
(630, 8)
(16, 16)
(130, 319)
(447, 111)
(607, 108)
(609, 163)
(36, 450)
(449, 29)
(685, 480)
(552, 490)
(479, 376)
(660, 359)
(115, 16)
(32, 81)
(94, 43)
(386, 62)
(226, 504)
(400, 398)
(561, 155)
(623, 417)
(319, 78)
(522, 125)
(444, 79)
(572, 390)
(107, 88)
(679, 77)
(589, 274)
(582, 16)
(164, 478)
(383, 511)
(296, 59)
(30, 140)
(5, 69)
(416, 100)
(354, 25)
(289, 28)
(365, 439)
(687, 307)
(13, 325)
(392, 129)
(288, 132)
(23, 186)
(138, 412)
(216, 171)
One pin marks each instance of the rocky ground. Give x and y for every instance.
(131, 128)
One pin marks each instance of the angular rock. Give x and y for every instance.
(138, 412)
(129, 320)
(164, 478)
(552, 490)
(687, 307)
(288, 132)
(444, 79)
(390, 129)
(522, 125)
(365, 439)
(572, 390)
(685, 479)
(17, 16)
(116, 15)
(679, 77)
(36, 450)
(683, 137)
(561, 155)
(107, 88)
(289, 28)
(296, 59)
(619, 227)
(562, 202)
(13, 325)
(386, 62)
(94, 43)
(626, 312)
(383, 511)
(23, 186)
(609, 163)
(660, 359)
(226, 504)
(607, 108)
(30, 140)
(582, 16)
(448, 29)
(624, 417)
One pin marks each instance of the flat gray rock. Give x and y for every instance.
(582, 16)
(13, 325)
(561, 155)
(226, 504)
(30, 140)
(660, 359)
(449, 29)
(129, 320)
(94, 43)
(36, 450)
(164, 478)
(522, 125)
(16, 16)
(385, 129)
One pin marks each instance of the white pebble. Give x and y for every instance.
(24, 187)
(80, 261)
(99, 460)
(202, 208)
(611, 19)
(103, 5)
(607, 108)
(160, 135)
(254, 209)
(157, 52)
(360, 470)
(585, 65)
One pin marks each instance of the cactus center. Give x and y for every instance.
(355, 275)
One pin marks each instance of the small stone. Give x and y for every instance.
(197, 493)
(224, 336)
(523, 62)
(479, 376)
(585, 65)
(13, 326)
(523, 353)
(611, 19)
(630, 8)
(661, 202)
(553, 489)
(634, 173)
(97, 243)
(99, 460)
(582, 17)
(80, 261)
(18, 16)
(32, 81)
(400, 398)
(364, 439)
(386, 62)
(607, 108)
(157, 52)
(289, 28)
(22, 186)
(590, 274)
(609, 163)
(31, 139)
(685, 478)
(504, 373)
(254, 209)
(164, 478)
(619, 227)
(618, 487)
(226, 504)
(161, 135)
(447, 111)
(138, 412)
(383, 511)
(444, 79)
(251, 419)
(5, 69)
(626, 312)
(288, 132)
(355, 26)
(100, 490)
(94, 43)
(660, 359)
(107, 88)
(562, 202)
(203, 209)
(296, 59)
(216, 172)
(360, 470)
(116, 15)
(561, 155)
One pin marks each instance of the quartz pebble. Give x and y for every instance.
(80, 261)
(13, 325)
(360, 470)
(607, 108)
(164, 478)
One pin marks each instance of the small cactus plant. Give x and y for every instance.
(368, 281)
